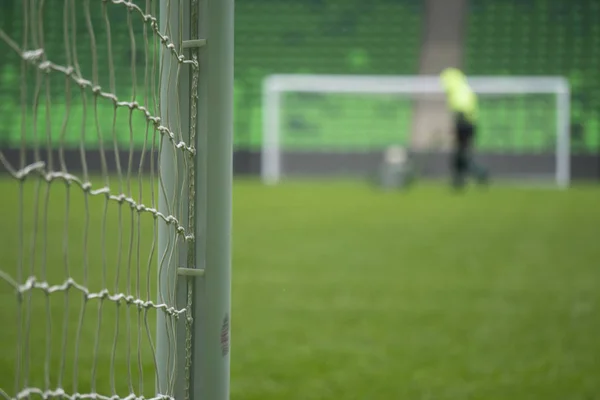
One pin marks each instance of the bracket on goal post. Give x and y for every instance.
(188, 44)
(190, 271)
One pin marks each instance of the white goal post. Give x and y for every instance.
(275, 87)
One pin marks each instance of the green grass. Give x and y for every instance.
(341, 292)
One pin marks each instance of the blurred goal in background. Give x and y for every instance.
(115, 155)
(340, 125)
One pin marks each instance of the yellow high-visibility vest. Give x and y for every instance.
(460, 97)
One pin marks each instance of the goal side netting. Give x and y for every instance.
(317, 126)
(90, 207)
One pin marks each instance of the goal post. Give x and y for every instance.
(201, 265)
(300, 111)
(215, 113)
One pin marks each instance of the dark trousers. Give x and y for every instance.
(463, 164)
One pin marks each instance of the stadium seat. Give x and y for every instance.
(540, 37)
(324, 37)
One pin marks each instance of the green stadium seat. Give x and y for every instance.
(540, 37)
(290, 36)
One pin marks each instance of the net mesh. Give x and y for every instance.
(348, 121)
(323, 134)
(81, 141)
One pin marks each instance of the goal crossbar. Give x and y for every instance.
(411, 84)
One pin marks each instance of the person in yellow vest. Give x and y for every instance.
(462, 101)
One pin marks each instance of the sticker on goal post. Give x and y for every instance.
(225, 336)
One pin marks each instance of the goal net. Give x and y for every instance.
(325, 126)
(90, 206)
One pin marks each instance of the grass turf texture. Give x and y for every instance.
(341, 292)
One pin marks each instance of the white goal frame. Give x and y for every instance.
(275, 85)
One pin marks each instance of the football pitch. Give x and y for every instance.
(339, 292)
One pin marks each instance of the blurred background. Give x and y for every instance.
(340, 290)
(494, 38)
(484, 38)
